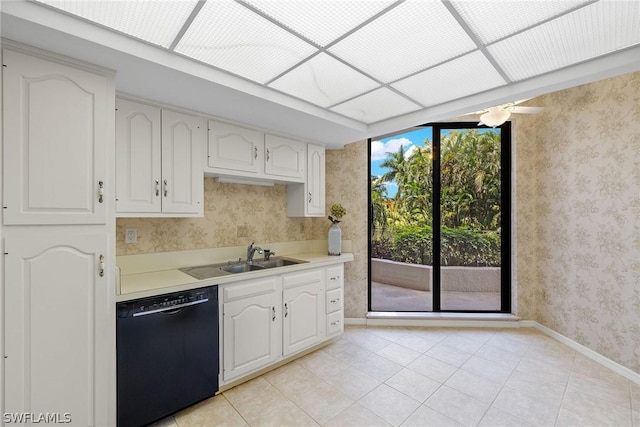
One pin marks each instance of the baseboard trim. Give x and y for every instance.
(585, 351)
(481, 320)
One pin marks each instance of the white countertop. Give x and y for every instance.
(144, 277)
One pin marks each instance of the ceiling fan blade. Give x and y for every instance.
(526, 110)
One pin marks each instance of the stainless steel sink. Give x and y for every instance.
(202, 272)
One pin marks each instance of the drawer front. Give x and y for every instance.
(335, 276)
(293, 280)
(334, 300)
(250, 288)
(335, 323)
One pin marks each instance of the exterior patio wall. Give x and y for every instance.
(417, 276)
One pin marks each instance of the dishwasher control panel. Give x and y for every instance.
(161, 303)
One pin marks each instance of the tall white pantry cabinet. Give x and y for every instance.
(58, 237)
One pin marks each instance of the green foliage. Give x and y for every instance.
(459, 247)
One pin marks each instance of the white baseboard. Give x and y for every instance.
(471, 321)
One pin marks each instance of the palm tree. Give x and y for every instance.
(379, 206)
(397, 165)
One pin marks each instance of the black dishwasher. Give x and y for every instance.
(167, 354)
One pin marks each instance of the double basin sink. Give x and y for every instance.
(202, 272)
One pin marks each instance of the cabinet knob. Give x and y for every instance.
(255, 151)
(273, 311)
(286, 310)
(268, 156)
(166, 188)
(100, 191)
(157, 187)
(310, 197)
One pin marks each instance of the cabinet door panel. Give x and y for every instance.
(315, 180)
(251, 338)
(56, 131)
(59, 327)
(182, 164)
(235, 148)
(284, 157)
(138, 154)
(304, 317)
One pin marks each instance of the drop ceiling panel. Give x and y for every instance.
(324, 81)
(374, 106)
(408, 38)
(493, 20)
(320, 21)
(229, 36)
(153, 21)
(595, 30)
(451, 80)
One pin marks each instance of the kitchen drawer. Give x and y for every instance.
(335, 276)
(250, 288)
(293, 280)
(334, 300)
(334, 323)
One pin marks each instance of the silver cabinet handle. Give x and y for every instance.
(334, 278)
(333, 301)
(255, 151)
(166, 188)
(273, 310)
(101, 273)
(100, 191)
(268, 155)
(309, 197)
(337, 322)
(286, 310)
(157, 187)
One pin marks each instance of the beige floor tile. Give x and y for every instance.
(536, 386)
(347, 352)
(591, 368)
(458, 406)
(353, 383)
(165, 422)
(448, 354)
(432, 368)
(378, 367)
(535, 409)
(416, 343)
(357, 416)
(291, 379)
(547, 371)
(635, 396)
(593, 410)
(498, 354)
(498, 418)
(481, 335)
(636, 418)
(398, 354)
(261, 404)
(370, 341)
(322, 364)
(425, 416)
(412, 384)
(216, 411)
(462, 343)
(389, 404)
(510, 343)
(493, 371)
(321, 401)
(617, 392)
(390, 333)
(472, 385)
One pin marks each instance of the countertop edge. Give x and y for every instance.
(153, 283)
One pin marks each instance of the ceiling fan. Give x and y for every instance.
(495, 116)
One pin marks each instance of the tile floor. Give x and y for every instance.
(381, 376)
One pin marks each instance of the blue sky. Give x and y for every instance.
(380, 148)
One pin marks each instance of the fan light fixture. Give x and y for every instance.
(495, 116)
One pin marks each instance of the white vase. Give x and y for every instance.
(335, 239)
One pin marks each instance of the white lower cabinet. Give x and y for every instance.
(252, 326)
(304, 312)
(265, 320)
(59, 330)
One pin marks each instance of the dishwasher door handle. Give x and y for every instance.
(172, 308)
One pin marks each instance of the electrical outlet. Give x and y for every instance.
(131, 235)
(241, 231)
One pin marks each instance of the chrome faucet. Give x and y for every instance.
(251, 250)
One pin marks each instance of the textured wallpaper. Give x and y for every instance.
(262, 210)
(578, 209)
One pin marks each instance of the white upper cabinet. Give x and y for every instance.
(244, 154)
(308, 199)
(284, 157)
(233, 148)
(55, 142)
(158, 161)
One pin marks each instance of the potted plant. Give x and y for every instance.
(335, 233)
